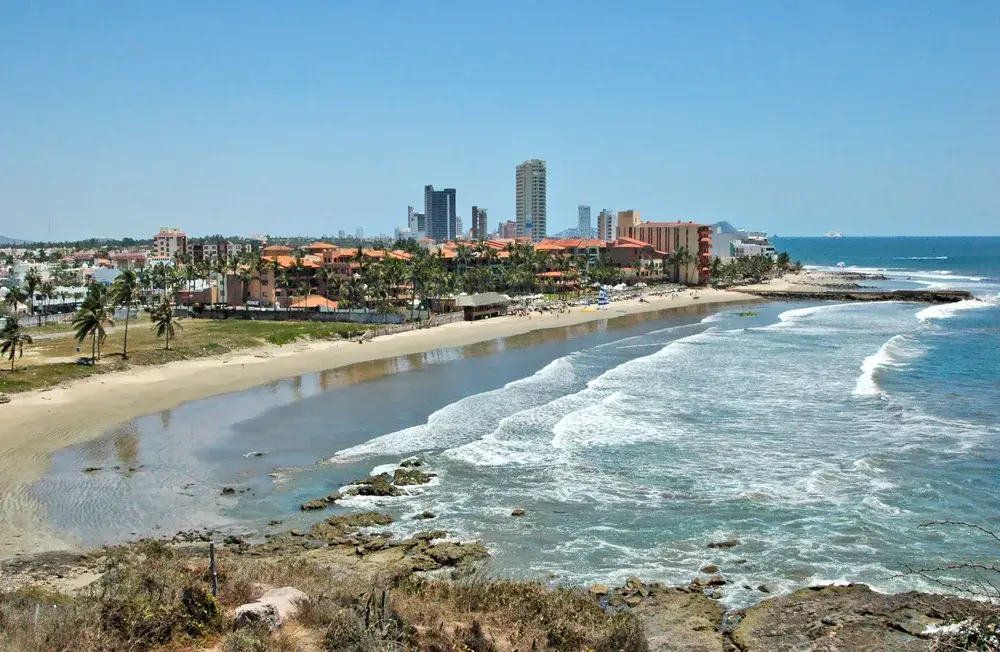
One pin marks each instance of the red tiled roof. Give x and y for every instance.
(321, 246)
(550, 275)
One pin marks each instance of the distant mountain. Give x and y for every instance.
(725, 227)
(4, 240)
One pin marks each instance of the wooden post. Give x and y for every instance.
(214, 571)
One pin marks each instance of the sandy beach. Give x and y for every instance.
(36, 424)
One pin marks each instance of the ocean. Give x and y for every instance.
(820, 435)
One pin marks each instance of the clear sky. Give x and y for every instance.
(243, 116)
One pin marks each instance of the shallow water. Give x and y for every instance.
(821, 435)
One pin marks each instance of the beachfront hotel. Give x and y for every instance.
(669, 237)
(530, 198)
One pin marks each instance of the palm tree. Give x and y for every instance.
(680, 258)
(125, 293)
(14, 298)
(89, 322)
(31, 282)
(48, 292)
(322, 277)
(163, 322)
(12, 339)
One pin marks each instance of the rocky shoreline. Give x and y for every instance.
(919, 296)
(685, 618)
(682, 618)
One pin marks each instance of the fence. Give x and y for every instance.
(437, 320)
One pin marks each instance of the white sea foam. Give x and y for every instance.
(791, 318)
(920, 258)
(947, 310)
(896, 352)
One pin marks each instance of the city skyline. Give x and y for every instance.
(795, 119)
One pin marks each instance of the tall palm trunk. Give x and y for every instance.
(128, 312)
(93, 348)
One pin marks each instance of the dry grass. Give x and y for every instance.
(152, 598)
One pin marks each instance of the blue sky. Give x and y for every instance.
(870, 118)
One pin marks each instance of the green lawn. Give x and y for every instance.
(51, 361)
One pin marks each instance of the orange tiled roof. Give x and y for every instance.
(314, 301)
(548, 245)
(322, 246)
(550, 275)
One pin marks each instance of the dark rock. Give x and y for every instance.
(728, 543)
(406, 477)
(228, 491)
(710, 569)
(313, 505)
(376, 485)
(92, 469)
(848, 618)
(716, 580)
(450, 553)
(425, 515)
(920, 296)
(273, 523)
(234, 540)
(518, 512)
(4, 399)
(413, 462)
(764, 588)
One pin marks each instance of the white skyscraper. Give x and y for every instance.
(530, 200)
(583, 221)
(607, 225)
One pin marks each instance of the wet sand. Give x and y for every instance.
(36, 424)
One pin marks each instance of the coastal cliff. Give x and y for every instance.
(347, 587)
(918, 296)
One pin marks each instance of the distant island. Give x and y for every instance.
(4, 240)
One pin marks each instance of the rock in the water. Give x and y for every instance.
(598, 589)
(710, 569)
(321, 503)
(273, 523)
(518, 512)
(764, 588)
(335, 528)
(716, 580)
(848, 618)
(728, 543)
(406, 477)
(228, 491)
(376, 485)
(413, 462)
(425, 515)
(273, 608)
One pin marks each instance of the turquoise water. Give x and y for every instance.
(821, 435)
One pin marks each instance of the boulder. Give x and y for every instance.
(413, 462)
(848, 618)
(598, 589)
(450, 553)
(710, 569)
(4, 399)
(716, 580)
(727, 543)
(376, 485)
(764, 588)
(425, 515)
(406, 477)
(228, 491)
(335, 529)
(274, 608)
(518, 512)
(676, 620)
(321, 503)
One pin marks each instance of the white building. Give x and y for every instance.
(583, 227)
(531, 199)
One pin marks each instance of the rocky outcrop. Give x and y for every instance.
(321, 503)
(376, 485)
(921, 296)
(274, 608)
(848, 618)
(406, 477)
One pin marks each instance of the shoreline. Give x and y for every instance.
(39, 423)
